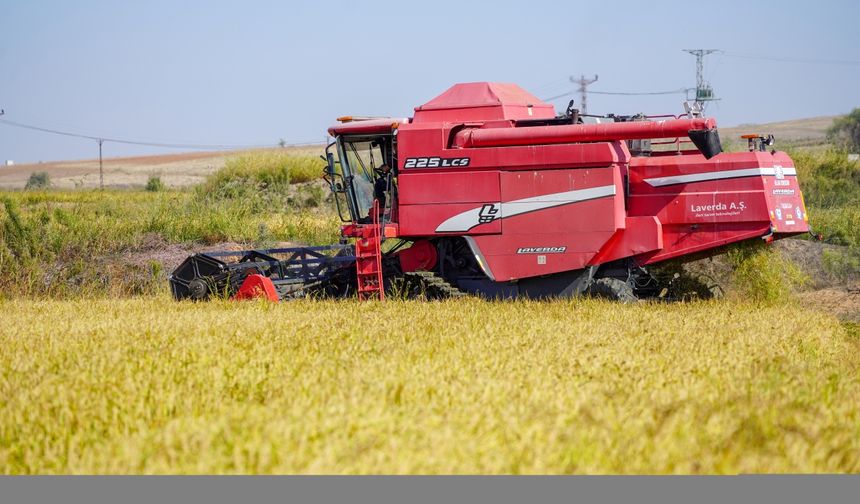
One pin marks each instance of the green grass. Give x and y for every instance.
(70, 243)
(839, 225)
(760, 273)
(154, 386)
(55, 243)
(154, 184)
(827, 178)
(831, 189)
(255, 173)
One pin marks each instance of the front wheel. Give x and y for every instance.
(614, 289)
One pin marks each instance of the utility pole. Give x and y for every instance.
(704, 91)
(101, 171)
(583, 90)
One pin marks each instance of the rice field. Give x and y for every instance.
(102, 373)
(147, 385)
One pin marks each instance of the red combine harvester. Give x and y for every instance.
(491, 193)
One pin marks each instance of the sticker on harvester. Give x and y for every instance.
(435, 162)
(488, 213)
(541, 250)
(719, 209)
(778, 171)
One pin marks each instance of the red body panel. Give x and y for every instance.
(483, 101)
(421, 256)
(704, 204)
(576, 210)
(427, 140)
(536, 198)
(640, 235)
(366, 127)
(256, 286)
(447, 188)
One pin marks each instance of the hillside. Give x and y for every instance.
(175, 170)
(797, 131)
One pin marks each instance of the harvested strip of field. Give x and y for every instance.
(151, 386)
(175, 170)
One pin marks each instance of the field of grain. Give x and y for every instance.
(101, 372)
(152, 386)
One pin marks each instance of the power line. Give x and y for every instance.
(793, 60)
(101, 139)
(116, 140)
(551, 98)
(621, 93)
(674, 91)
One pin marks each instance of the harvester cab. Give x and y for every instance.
(487, 191)
(361, 169)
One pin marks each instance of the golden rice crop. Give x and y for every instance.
(148, 385)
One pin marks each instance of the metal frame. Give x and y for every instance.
(302, 266)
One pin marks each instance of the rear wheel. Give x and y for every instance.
(614, 289)
(428, 285)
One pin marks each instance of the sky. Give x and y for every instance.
(257, 72)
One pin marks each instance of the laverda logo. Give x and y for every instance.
(541, 250)
(435, 162)
(717, 207)
(488, 213)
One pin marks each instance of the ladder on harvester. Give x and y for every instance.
(368, 260)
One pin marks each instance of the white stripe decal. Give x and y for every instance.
(465, 221)
(720, 175)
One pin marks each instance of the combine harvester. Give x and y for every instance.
(491, 193)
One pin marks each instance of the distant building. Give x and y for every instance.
(9, 162)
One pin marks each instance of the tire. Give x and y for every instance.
(426, 285)
(614, 289)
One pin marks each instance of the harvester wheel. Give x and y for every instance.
(614, 289)
(198, 290)
(427, 285)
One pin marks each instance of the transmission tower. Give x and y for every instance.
(704, 91)
(583, 90)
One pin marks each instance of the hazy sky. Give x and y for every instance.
(254, 72)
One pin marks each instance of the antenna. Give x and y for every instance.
(583, 90)
(704, 91)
